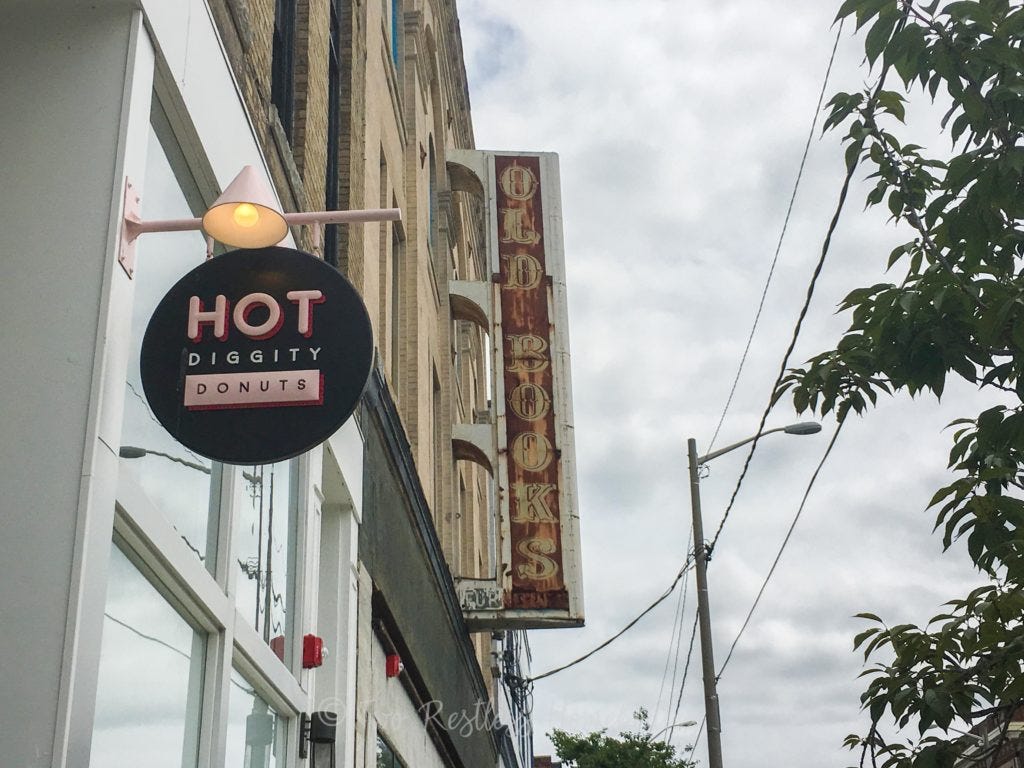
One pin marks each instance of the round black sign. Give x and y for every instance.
(257, 355)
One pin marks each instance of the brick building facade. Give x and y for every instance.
(160, 611)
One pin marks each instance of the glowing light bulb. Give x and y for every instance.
(246, 215)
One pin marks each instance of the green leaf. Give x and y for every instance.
(868, 9)
(968, 10)
(880, 33)
(893, 103)
(862, 636)
(847, 8)
(853, 154)
(869, 617)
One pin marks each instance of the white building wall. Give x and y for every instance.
(76, 83)
(74, 88)
(397, 719)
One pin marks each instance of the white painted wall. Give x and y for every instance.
(76, 81)
(67, 92)
(398, 720)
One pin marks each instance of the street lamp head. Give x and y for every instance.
(684, 724)
(803, 428)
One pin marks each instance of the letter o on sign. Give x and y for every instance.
(265, 329)
(532, 451)
(529, 402)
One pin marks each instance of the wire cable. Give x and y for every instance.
(151, 638)
(686, 670)
(673, 658)
(782, 548)
(682, 572)
(679, 644)
(700, 732)
(825, 247)
(167, 645)
(677, 624)
(782, 237)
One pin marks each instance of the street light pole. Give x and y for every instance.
(707, 653)
(700, 567)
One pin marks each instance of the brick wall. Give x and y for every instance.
(388, 111)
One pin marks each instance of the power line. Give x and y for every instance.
(167, 645)
(825, 247)
(151, 638)
(679, 644)
(782, 237)
(753, 330)
(700, 732)
(686, 670)
(785, 541)
(675, 582)
(677, 629)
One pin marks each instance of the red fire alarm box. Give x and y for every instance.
(393, 665)
(312, 651)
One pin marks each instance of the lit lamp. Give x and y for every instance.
(246, 215)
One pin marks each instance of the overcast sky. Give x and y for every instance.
(680, 129)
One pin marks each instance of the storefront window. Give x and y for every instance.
(386, 756)
(183, 485)
(265, 535)
(257, 735)
(151, 677)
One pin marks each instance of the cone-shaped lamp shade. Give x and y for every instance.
(246, 214)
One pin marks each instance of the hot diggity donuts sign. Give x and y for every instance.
(257, 355)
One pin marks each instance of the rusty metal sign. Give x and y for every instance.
(538, 580)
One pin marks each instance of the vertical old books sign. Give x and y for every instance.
(535, 446)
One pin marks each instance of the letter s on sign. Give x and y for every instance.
(540, 567)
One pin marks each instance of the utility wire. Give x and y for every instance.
(753, 330)
(167, 645)
(677, 629)
(682, 686)
(151, 638)
(682, 572)
(785, 541)
(700, 732)
(825, 247)
(782, 237)
(679, 644)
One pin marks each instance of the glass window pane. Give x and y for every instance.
(149, 694)
(265, 550)
(177, 481)
(386, 757)
(257, 736)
